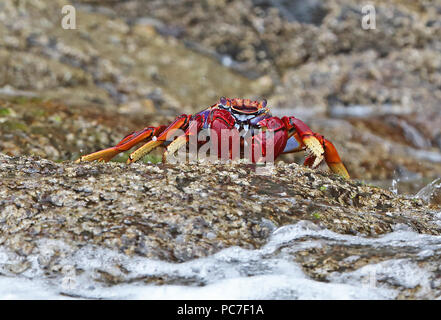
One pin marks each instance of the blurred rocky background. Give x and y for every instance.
(375, 93)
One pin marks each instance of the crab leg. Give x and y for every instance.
(305, 136)
(320, 148)
(125, 144)
(193, 129)
(180, 122)
(333, 159)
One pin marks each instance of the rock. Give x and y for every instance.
(113, 64)
(139, 205)
(138, 108)
(178, 213)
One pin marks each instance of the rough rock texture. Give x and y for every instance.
(180, 212)
(55, 131)
(266, 34)
(106, 61)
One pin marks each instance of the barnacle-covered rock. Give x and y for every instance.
(188, 211)
(177, 213)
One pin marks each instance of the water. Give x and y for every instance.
(428, 191)
(234, 273)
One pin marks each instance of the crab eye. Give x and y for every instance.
(264, 103)
(223, 101)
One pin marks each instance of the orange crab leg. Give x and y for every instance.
(125, 144)
(180, 122)
(333, 159)
(317, 144)
(193, 128)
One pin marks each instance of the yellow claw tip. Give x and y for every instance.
(317, 161)
(340, 169)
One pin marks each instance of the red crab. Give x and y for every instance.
(253, 117)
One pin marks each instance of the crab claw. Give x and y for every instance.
(322, 149)
(316, 145)
(304, 135)
(316, 151)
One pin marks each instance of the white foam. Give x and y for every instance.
(392, 273)
(234, 273)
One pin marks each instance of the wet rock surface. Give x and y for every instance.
(177, 213)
